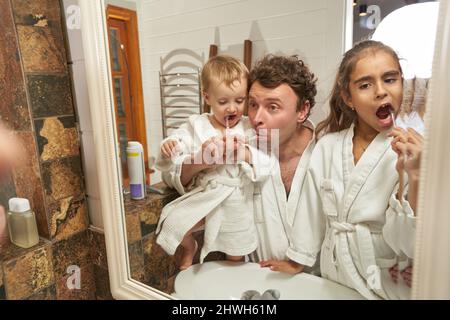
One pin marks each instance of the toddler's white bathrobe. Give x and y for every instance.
(223, 195)
(343, 210)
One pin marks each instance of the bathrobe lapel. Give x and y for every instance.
(356, 176)
(203, 129)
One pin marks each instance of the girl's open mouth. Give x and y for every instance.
(384, 111)
(385, 115)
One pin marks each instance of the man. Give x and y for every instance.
(281, 95)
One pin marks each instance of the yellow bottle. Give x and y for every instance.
(22, 223)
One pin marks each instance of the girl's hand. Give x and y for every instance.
(400, 138)
(398, 145)
(169, 148)
(413, 148)
(287, 266)
(408, 145)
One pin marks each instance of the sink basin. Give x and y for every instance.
(225, 280)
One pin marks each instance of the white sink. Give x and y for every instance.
(224, 280)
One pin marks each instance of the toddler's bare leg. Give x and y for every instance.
(189, 247)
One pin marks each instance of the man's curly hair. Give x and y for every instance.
(274, 70)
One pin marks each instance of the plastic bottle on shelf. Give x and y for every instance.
(136, 169)
(22, 223)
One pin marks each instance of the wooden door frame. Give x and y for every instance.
(129, 17)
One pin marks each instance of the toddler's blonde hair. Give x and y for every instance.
(223, 68)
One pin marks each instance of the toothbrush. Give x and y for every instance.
(401, 173)
(394, 123)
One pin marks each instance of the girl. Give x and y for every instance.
(222, 194)
(352, 182)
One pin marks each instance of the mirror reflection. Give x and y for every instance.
(257, 158)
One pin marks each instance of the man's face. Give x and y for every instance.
(275, 108)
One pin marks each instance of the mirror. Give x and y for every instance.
(173, 44)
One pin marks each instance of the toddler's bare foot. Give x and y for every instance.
(189, 248)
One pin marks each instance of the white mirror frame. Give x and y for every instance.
(96, 53)
(431, 276)
(432, 265)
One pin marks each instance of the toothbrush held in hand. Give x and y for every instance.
(227, 122)
(394, 123)
(400, 172)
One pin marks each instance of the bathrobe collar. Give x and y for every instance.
(356, 176)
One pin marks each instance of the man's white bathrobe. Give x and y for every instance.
(274, 212)
(343, 213)
(223, 195)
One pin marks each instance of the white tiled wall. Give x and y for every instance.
(313, 29)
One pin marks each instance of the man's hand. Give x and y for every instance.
(286, 266)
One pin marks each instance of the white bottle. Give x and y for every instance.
(22, 223)
(136, 169)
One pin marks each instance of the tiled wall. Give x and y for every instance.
(36, 102)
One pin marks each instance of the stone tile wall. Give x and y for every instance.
(36, 103)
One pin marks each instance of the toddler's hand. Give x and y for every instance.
(235, 149)
(169, 148)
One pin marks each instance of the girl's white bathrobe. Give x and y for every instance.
(342, 213)
(224, 195)
(399, 233)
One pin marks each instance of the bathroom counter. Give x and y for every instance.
(26, 273)
(152, 200)
(11, 251)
